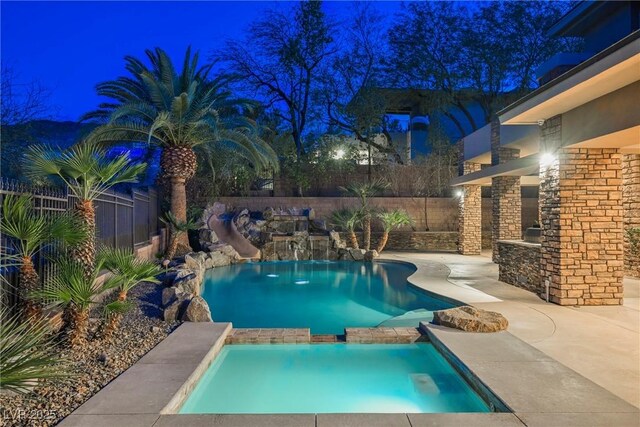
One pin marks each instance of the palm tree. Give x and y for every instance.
(127, 271)
(27, 354)
(177, 229)
(363, 191)
(390, 220)
(30, 232)
(178, 112)
(347, 219)
(73, 290)
(88, 172)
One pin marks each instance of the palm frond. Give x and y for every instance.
(27, 354)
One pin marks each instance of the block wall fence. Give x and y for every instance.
(440, 214)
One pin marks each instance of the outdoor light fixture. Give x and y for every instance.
(546, 159)
(339, 154)
(459, 193)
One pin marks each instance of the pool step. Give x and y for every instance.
(409, 319)
(382, 335)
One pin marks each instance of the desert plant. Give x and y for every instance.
(177, 229)
(88, 172)
(27, 354)
(75, 291)
(30, 232)
(363, 191)
(390, 220)
(347, 219)
(127, 271)
(178, 113)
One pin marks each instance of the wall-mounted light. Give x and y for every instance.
(459, 193)
(339, 154)
(546, 159)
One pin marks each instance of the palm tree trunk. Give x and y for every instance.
(353, 240)
(383, 241)
(112, 326)
(29, 281)
(172, 247)
(179, 210)
(85, 252)
(366, 232)
(79, 328)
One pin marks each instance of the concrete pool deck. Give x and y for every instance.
(601, 343)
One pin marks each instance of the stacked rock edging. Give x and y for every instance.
(181, 297)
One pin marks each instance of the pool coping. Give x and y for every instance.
(538, 389)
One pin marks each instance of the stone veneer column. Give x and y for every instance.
(470, 215)
(581, 211)
(631, 209)
(506, 198)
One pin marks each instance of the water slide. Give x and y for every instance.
(228, 233)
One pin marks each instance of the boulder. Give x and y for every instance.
(176, 310)
(471, 319)
(197, 311)
(169, 295)
(268, 213)
(336, 241)
(207, 236)
(217, 259)
(230, 252)
(370, 255)
(195, 260)
(268, 252)
(188, 281)
(356, 254)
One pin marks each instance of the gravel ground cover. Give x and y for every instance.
(99, 363)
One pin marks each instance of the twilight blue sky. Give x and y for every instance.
(71, 46)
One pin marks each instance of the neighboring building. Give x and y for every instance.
(423, 110)
(577, 137)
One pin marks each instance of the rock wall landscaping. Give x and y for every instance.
(520, 265)
(181, 297)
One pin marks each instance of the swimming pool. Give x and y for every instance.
(326, 296)
(331, 378)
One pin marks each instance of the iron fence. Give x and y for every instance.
(122, 220)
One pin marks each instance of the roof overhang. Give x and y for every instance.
(608, 71)
(526, 167)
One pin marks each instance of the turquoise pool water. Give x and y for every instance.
(326, 296)
(331, 378)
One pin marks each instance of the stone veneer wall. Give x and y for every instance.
(631, 208)
(581, 212)
(505, 195)
(415, 240)
(520, 265)
(470, 215)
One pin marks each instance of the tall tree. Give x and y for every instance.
(22, 102)
(179, 112)
(352, 80)
(281, 60)
(484, 55)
